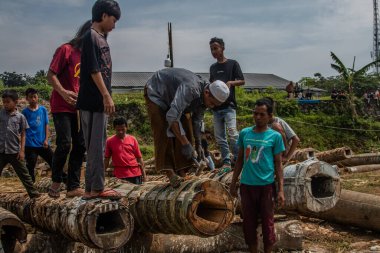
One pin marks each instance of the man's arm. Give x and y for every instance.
(177, 132)
(235, 83)
(21, 154)
(47, 135)
(142, 167)
(109, 106)
(293, 147)
(106, 162)
(280, 179)
(69, 96)
(237, 170)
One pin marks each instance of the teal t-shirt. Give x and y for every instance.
(259, 151)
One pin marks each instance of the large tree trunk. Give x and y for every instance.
(355, 209)
(334, 155)
(11, 229)
(97, 223)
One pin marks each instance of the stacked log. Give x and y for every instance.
(334, 155)
(354, 208)
(312, 186)
(301, 155)
(11, 229)
(97, 223)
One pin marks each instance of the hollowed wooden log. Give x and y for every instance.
(97, 223)
(301, 155)
(334, 155)
(360, 159)
(363, 168)
(11, 229)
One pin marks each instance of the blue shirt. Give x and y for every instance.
(259, 151)
(37, 120)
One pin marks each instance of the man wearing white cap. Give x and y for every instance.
(176, 100)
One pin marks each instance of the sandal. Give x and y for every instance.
(54, 190)
(175, 181)
(105, 194)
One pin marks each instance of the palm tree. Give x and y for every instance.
(349, 76)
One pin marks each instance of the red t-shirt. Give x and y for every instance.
(124, 153)
(66, 65)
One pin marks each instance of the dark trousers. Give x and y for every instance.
(31, 155)
(21, 171)
(133, 180)
(69, 137)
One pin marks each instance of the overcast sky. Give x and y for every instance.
(289, 38)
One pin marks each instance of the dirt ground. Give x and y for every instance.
(319, 236)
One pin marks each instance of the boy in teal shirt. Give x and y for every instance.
(259, 159)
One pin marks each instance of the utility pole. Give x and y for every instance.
(375, 53)
(169, 62)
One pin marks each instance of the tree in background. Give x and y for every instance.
(13, 79)
(350, 76)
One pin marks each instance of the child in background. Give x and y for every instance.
(125, 153)
(37, 135)
(12, 140)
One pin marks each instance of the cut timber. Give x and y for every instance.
(363, 168)
(97, 223)
(360, 159)
(289, 235)
(334, 155)
(301, 155)
(311, 186)
(355, 209)
(200, 207)
(11, 229)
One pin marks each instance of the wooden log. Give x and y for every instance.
(360, 159)
(97, 223)
(301, 155)
(11, 229)
(289, 236)
(362, 168)
(311, 186)
(200, 207)
(354, 209)
(334, 155)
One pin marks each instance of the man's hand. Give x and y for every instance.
(281, 198)
(70, 97)
(187, 151)
(109, 106)
(46, 144)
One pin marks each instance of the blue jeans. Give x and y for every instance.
(225, 123)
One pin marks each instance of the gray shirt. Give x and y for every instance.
(11, 127)
(178, 91)
(289, 132)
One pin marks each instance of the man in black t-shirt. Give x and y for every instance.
(94, 97)
(228, 71)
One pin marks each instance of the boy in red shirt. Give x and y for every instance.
(125, 152)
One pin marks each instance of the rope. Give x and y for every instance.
(332, 127)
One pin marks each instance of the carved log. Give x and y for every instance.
(11, 229)
(362, 168)
(312, 186)
(334, 155)
(355, 209)
(200, 207)
(360, 159)
(97, 223)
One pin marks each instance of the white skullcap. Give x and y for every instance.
(219, 90)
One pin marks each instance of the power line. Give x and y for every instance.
(332, 127)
